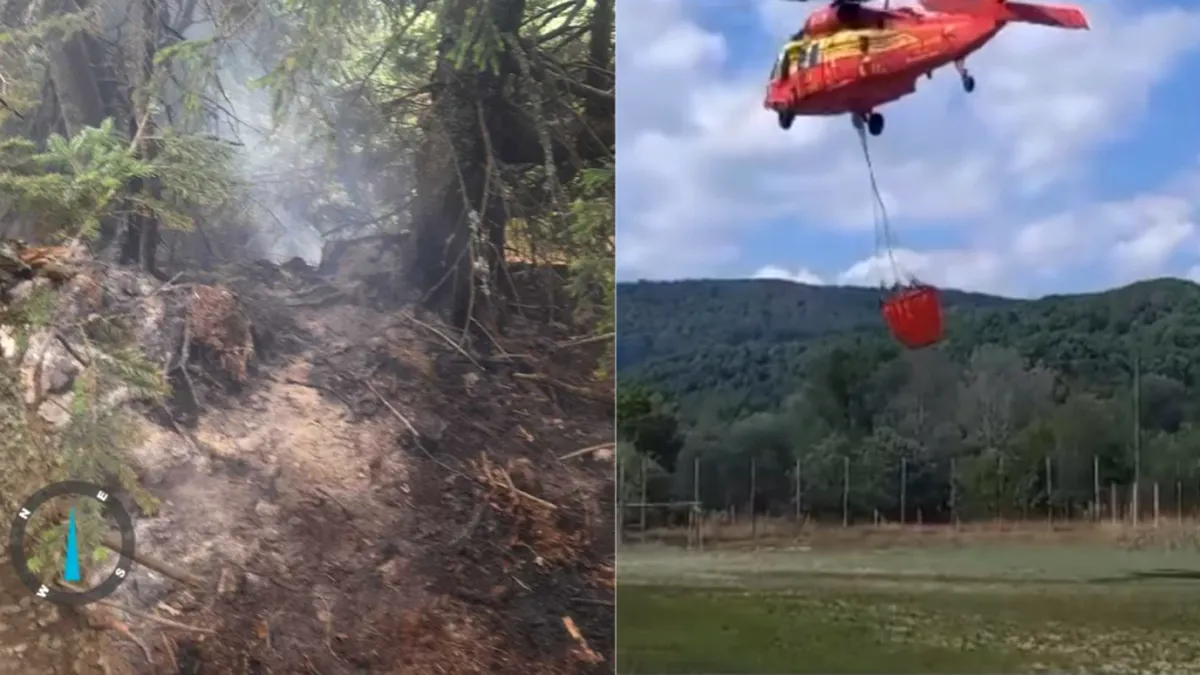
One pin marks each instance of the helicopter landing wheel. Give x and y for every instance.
(968, 83)
(875, 124)
(786, 117)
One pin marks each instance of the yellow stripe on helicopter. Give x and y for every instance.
(850, 43)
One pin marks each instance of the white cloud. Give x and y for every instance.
(1138, 234)
(801, 275)
(702, 163)
(965, 269)
(683, 46)
(1045, 242)
(1048, 96)
(1132, 238)
(1147, 251)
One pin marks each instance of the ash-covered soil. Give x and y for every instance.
(374, 498)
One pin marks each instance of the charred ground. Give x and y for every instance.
(370, 496)
(439, 564)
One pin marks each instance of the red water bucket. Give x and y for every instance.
(914, 315)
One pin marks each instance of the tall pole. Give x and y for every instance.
(1137, 432)
(621, 501)
(697, 504)
(953, 493)
(642, 519)
(1049, 493)
(797, 477)
(753, 496)
(846, 491)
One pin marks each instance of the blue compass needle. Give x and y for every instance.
(72, 572)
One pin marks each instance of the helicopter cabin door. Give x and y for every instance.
(811, 70)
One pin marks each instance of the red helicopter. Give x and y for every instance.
(852, 59)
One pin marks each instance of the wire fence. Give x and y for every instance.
(750, 501)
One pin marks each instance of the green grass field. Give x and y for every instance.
(934, 609)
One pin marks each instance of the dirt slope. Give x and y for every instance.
(372, 499)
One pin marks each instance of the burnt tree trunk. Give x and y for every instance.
(88, 90)
(467, 134)
(600, 112)
(140, 245)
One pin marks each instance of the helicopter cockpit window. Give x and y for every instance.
(777, 69)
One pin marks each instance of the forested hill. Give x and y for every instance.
(725, 348)
(670, 318)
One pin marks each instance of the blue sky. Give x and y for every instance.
(1075, 165)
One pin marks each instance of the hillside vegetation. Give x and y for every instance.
(786, 373)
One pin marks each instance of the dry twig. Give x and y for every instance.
(519, 492)
(445, 338)
(411, 429)
(169, 648)
(489, 476)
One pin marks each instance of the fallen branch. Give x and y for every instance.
(569, 388)
(157, 619)
(593, 601)
(588, 450)
(588, 653)
(396, 413)
(114, 544)
(579, 342)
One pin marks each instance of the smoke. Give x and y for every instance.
(285, 160)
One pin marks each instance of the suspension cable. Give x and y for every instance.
(883, 230)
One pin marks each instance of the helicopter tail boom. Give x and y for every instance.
(1059, 16)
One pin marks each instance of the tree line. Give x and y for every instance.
(988, 434)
